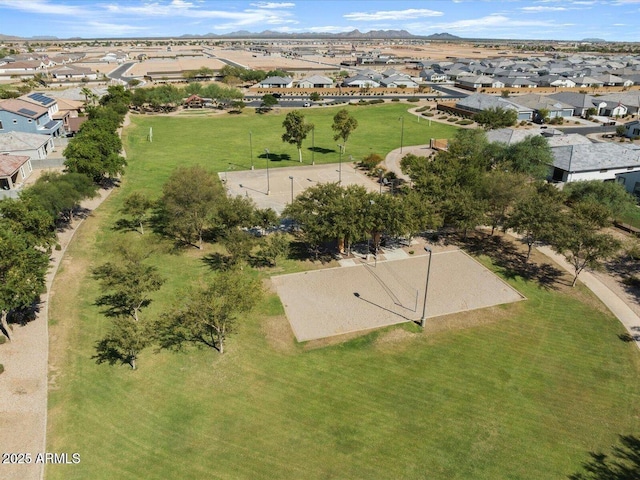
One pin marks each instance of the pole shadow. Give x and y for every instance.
(357, 295)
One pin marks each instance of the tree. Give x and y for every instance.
(500, 190)
(276, 246)
(22, 272)
(537, 216)
(296, 130)
(623, 464)
(137, 205)
(208, 315)
(239, 245)
(496, 117)
(314, 96)
(30, 219)
(532, 156)
(268, 101)
(127, 284)
(343, 124)
(124, 342)
(186, 212)
(611, 195)
(582, 245)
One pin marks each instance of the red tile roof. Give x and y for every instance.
(9, 164)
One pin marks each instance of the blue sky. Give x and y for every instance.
(614, 20)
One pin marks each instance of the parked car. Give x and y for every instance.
(306, 104)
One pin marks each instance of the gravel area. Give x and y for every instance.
(364, 296)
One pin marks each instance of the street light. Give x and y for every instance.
(423, 320)
(313, 145)
(401, 132)
(291, 178)
(251, 149)
(268, 189)
(340, 166)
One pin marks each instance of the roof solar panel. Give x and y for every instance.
(26, 111)
(40, 98)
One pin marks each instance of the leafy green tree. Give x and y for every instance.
(137, 205)
(22, 272)
(314, 97)
(582, 245)
(276, 247)
(207, 316)
(371, 161)
(30, 219)
(538, 215)
(532, 156)
(59, 194)
(188, 203)
(611, 195)
(343, 125)
(127, 284)
(268, 101)
(464, 209)
(265, 218)
(239, 245)
(117, 98)
(500, 190)
(296, 130)
(496, 117)
(123, 342)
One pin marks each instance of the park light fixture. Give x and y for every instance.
(266, 150)
(340, 165)
(423, 320)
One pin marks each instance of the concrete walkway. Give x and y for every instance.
(618, 307)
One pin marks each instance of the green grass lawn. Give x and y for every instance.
(524, 395)
(223, 141)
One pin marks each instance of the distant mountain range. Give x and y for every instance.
(354, 34)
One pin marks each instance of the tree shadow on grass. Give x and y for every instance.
(219, 262)
(627, 269)
(299, 250)
(275, 157)
(125, 225)
(630, 337)
(322, 150)
(622, 464)
(511, 259)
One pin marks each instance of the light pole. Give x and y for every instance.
(291, 178)
(266, 150)
(251, 149)
(401, 132)
(340, 166)
(313, 145)
(423, 320)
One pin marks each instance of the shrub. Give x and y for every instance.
(1, 368)
(464, 121)
(395, 99)
(413, 99)
(3, 339)
(452, 119)
(428, 114)
(58, 247)
(371, 161)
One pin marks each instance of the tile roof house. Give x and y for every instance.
(276, 82)
(14, 170)
(537, 103)
(595, 161)
(315, 81)
(477, 102)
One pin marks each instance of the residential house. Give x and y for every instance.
(538, 102)
(595, 161)
(555, 138)
(630, 99)
(631, 182)
(33, 145)
(360, 81)
(73, 73)
(632, 129)
(613, 81)
(17, 114)
(315, 81)
(477, 102)
(276, 82)
(581, 102)
(511, 82)
(555, 81)
(476, 82)
(14, 170)
(398, 81)
(433, 76)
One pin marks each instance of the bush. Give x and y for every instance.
(58, 247)
(428, 114)
(413, 99)
(371, 161)
(452, 119)
(1, 368)
(3, 339)
(395, 99)
(523, 123)
(464, 121)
